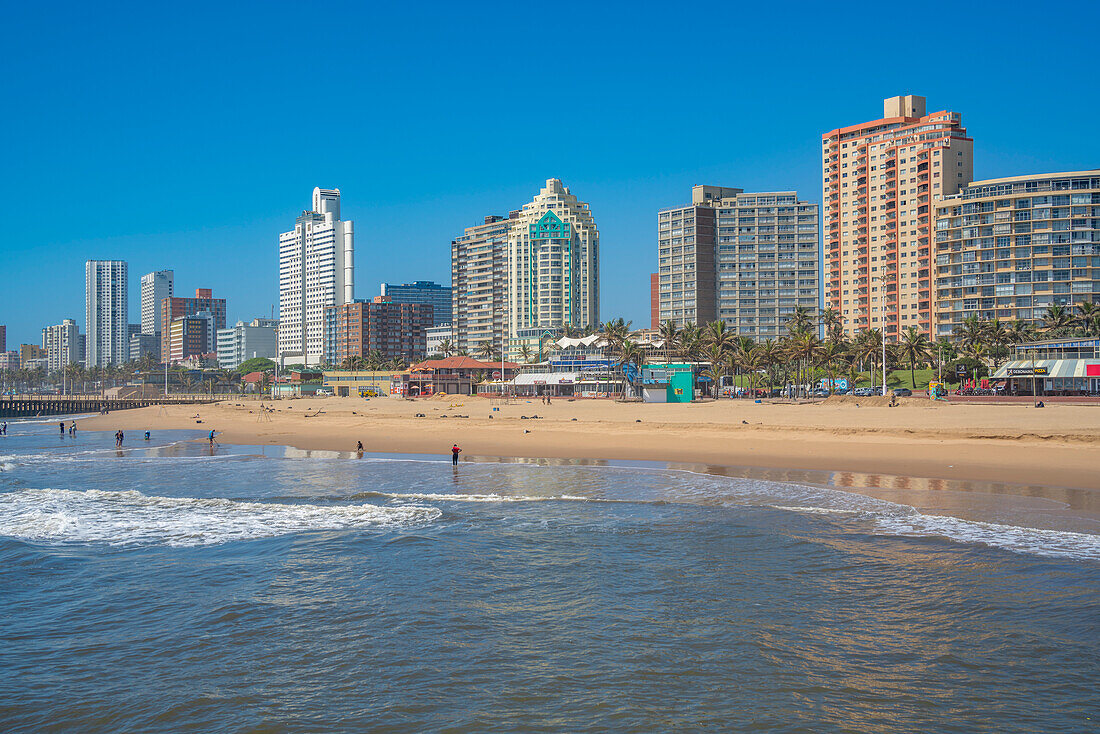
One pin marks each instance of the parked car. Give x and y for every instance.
(903, 392)
(820, 393)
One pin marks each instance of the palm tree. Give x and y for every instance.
(487, 350)
(688, 342)
(830, 319)
(1057, 320)
(1019, 331)
(1087, 313)
(769, 354)
(525, 353)
(799, 321)
(633, 353)
(914, 346)
(717, 335)
(832, 352)
(970, 332)
(670, 335)
(446, 348)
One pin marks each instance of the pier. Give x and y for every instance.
(23, 406)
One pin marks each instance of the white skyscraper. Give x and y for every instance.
(155, 286)
(315, 270)
(106, 305)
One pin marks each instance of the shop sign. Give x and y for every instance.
(1026, 371)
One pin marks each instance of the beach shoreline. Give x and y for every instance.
(973, 461)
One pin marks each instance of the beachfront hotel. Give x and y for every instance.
(880, 182)
(106, 305)
(1009, 248)
(478, 277)
(553, 267)
(316, 270)
(748, 259)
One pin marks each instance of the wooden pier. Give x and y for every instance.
(23, 406)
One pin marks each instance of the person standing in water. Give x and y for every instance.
(62, 424)
(455, 451)
(211, 436)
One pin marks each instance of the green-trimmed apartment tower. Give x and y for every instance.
(553, 266)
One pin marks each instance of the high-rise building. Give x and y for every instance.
(553, 262)
(189, 336)
(1009, 248)
(748, 259)
(436, 337)
(155, 287)
(3, 338)
(422, 291)
(478, 278)
(174, 307)
(392, 329)
(246, 341)
(106, 305)
(881, 180)
(316, 270)
(62, 344)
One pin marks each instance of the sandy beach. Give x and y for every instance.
(921, 453)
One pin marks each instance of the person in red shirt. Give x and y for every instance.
(455, 451)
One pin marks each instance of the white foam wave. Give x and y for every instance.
(432, 497)
(132, 518)
(1036, 541)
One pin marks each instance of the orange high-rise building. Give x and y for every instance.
(880, 181)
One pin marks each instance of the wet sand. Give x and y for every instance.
(974, 461)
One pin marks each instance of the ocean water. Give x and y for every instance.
(172, 587)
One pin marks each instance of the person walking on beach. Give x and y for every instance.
(211, 436)
(455, 451)
(119, 435)
(359, 447)
(72, 429)
(62, 424)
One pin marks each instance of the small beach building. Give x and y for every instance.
(1053, 367)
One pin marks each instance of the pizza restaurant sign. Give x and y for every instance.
(1026, 371)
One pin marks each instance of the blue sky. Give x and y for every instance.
(188, 135)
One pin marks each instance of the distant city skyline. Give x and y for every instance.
(412, 181)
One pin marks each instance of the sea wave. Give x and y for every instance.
(130, 518)
(492, 497)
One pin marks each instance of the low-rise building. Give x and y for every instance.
(144, 345)
(1053, 367)
(436, 336)
(28, 352)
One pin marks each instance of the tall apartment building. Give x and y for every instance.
(553, 266)
(3, 338)
(175, 307)
(478, 278)
(1009, 248)
(422, 291)
(316, 270)
(155, 287)
(246, 341)
(106, 304)
(392, 329)
(880, 182)
(190, 335)
(748, 259)
(62, 344)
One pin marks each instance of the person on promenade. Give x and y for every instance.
(455, 451)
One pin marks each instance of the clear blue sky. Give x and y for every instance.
(187, 135)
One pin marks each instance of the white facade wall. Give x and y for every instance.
(106, 304)
(155, 287)
(62, 344)
(553, 281)
(316, 269)
(243, 342)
